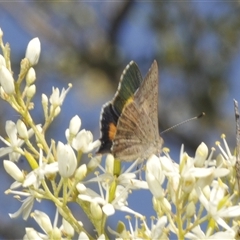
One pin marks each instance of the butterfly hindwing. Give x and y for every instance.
(135, 136)
(130, 81)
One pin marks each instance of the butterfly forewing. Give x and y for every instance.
(130, 81)
(147, 95)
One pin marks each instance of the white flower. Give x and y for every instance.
(155, 176)
(6, 80)
(144, 232)
(26, 207)
(118, 203)
(84, 141)
(215, 208)
(56, 99)
(51, 231)
(14, 143)
(43, 221)
(33, 51)
(156, 230)
(228, 157)
(37, 175)
(192, 176)
(126, 178)
(74, 126)
(80, 141)
(197, 234)
(67, 161)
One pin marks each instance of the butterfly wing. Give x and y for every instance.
(147, 95)
(137, 133)
(130, 81)
(134, 130)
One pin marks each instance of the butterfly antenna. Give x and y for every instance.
(188, 120)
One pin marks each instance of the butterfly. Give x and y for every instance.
(129, 122)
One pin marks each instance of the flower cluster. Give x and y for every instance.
(192, 199)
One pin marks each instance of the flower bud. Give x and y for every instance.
(94, 163)
(201, 155)
(22, 129)
(6, 80)
(44, 100)
(81, 172)
(188, 183)
(96, 210)
(83, 236)
(67, 161)
(45, 105)
(31, 76)
(33, 51)
(2, 61)
(74, 125)
(67, 228)
(81, 188)
(167, 205)
(191, 209)
(31, 91)
(13, 170)
(109, 166)
(1, 33)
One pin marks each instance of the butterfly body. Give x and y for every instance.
(129, 123)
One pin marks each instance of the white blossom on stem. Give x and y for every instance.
(33, 51)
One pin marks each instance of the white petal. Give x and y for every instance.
(108, 209)
(158, 228)
(43, 221)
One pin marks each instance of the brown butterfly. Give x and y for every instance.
(129, 123)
